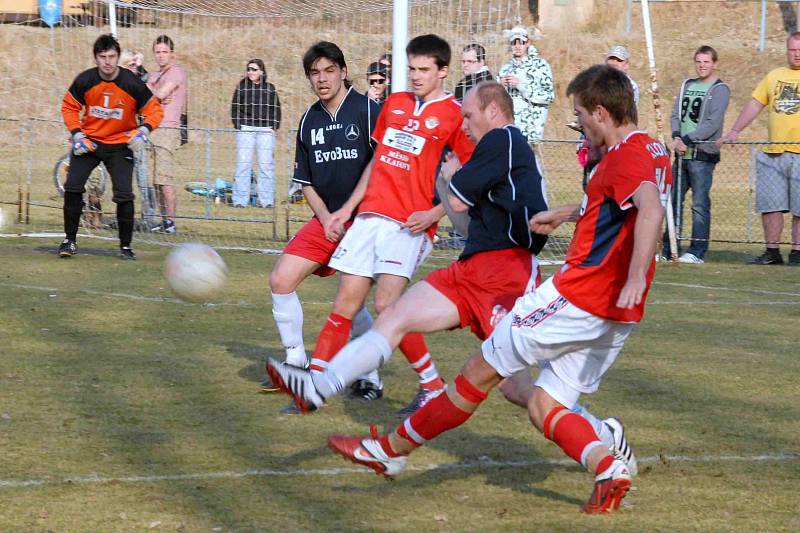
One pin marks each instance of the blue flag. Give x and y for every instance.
(50, 11)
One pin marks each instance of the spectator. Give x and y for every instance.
(529, 80)
(618, 57)
(378, 81)
(473, 63)
(778, 165)
(256, 114)
(169, 85)
(697, 115)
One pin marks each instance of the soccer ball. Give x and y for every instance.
(195, 272)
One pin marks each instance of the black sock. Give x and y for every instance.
(125, 222)
(73, 206)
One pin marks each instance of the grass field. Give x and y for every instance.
(123, 409)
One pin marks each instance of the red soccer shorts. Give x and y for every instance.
(485, 286)
(310, 243)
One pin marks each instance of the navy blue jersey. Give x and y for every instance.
(503, 188)
(332, 150)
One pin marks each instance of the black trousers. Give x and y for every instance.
(118, 160)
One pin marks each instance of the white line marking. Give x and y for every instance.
(732, 289)
(484, 462)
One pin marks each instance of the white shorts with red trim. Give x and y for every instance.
(544, 329)
(377, 245)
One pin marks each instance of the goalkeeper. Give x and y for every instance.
(107, 132)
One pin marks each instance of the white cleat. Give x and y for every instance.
(297, 383)
(621, 449)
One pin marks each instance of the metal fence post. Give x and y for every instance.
(750, 192)
(25, 200)
(208, 199)
(679, 200)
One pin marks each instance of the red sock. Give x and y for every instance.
(575, 436)
(331, 339)
(416, 351)
(440, 414)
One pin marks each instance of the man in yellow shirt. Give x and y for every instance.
(778, 165)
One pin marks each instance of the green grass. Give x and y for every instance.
(103, 375)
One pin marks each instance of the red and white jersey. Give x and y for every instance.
(411, 135)
(599, 255)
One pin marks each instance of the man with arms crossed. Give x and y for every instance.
(778, 165)
(391, 235)
(169, 85)
(574, 325)
(333, 147)
(697, 115)
(110, 98)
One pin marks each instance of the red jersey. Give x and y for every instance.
(411, 135)
(599, 254)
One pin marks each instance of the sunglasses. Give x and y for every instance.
(376, 81)
(253, 69)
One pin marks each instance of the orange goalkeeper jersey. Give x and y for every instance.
(109, 107)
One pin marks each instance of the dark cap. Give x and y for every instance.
(377, 68)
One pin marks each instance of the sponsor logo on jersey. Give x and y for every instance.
(105, 113)
(351, 133)
(324, 156)
(431, 122)
(401, 140)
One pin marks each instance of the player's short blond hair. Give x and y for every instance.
(490, 91)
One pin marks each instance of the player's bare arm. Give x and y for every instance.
(545, 222)
(455, 204)
(451, 165)
(419, 221)
(320, 210)
(340, 217)
(747, 115)
(645, 238)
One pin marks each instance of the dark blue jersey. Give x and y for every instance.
(503, 188)
(332, 150)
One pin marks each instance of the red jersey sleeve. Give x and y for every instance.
(461, 144)
(634, 167)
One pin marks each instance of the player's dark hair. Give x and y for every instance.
(480, 51)
(327, 50)
(106, 42)
(705, 49)
(601, 85)
(432, 46)
(490, 91)
(260, 65)
(164, 39)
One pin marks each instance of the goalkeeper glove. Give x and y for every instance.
(137, 139)
(81, 144)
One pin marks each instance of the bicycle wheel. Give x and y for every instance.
(98, 180)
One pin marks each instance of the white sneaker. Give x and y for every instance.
(690, 258)
(621, 449)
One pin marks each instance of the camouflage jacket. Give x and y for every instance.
(533, 95)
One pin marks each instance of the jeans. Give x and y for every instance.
(263, 140)
(695, 175)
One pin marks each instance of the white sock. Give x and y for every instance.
(288, 315)
(599, 427)
(361, 324)
(364, 354)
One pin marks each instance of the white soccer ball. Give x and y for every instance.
(195, 272)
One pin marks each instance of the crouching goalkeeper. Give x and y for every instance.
(107, 132)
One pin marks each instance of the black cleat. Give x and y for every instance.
(771, 256)
(794, 258)
(365, 391)
(68, 248)
(126, 254)
(422, 397)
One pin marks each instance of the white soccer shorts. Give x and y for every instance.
(571, 346)
(378, 245)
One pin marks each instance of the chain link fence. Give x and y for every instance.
(32, 162)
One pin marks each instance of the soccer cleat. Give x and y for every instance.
(297, 383)
(367, 452)
(167, 228)
(290, 409)
(267, 386)
(621, 449)
(67, 248)
(422, 397)
(690, 258)
(609, 489)
(126, 253)
(771, 256)
(365, 390)
(794, 258)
